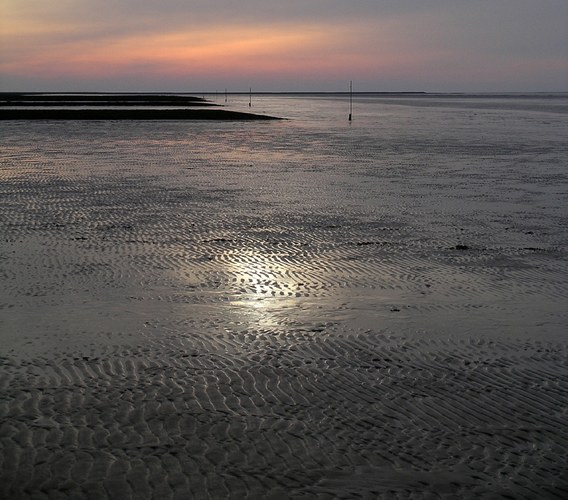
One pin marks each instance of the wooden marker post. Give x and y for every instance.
(350, 100)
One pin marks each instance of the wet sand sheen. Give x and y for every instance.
(174, 326)
(292, 413)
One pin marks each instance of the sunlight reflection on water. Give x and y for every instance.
(302, 219)
(300, 306)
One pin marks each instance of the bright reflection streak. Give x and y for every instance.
(267, 286)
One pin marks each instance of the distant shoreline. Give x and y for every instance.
(81, 97)
(128, 114)
(190, 99)
(52, 106)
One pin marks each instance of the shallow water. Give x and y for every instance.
(319, 217)
(410, 267)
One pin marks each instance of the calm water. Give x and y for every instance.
(444, 215)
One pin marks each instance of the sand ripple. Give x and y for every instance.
(298, 312)
(292, 413)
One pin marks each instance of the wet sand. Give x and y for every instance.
(21, 106)
(170, 332)
(288, 414)
(83, 98)
(128, 114)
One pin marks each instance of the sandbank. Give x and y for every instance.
(128, 114)
(39, 106)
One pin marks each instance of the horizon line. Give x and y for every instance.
(280, 92)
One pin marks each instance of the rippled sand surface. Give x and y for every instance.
(294, 309)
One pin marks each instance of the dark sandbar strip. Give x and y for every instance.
(179, 104)
(58, 98)
(128, 114)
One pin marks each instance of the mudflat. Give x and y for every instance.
(292, 309)
(128, 114)
(21, 106)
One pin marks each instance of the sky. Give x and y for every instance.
(291, 45)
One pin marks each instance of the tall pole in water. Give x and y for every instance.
(250, 97)
(225, 95)
(350, 99)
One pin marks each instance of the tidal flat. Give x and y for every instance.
(299, 308)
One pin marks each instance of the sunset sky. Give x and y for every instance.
(292, 45)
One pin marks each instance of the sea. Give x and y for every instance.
(310, 307)
(425, 214)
